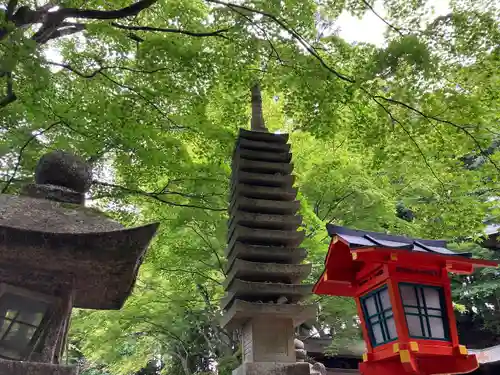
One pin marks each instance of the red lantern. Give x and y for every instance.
(403, 295)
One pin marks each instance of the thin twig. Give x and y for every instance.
(214, 251)
(437, 119)
(103, 68)
(151, 195)
(190, 271)
(20, 155)
(396, 29)
(395, 120)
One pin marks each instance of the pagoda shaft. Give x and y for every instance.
(265, 266)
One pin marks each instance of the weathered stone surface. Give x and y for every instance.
(318, 368)
(264, 253)
(34, 368)
(64, 169)
(275, 272)
(272, 368)
(263, 136)
(262, 179)
(263, 146)
(268, 338)
(354, 349)
(103, 265)
(263, 206)
(282, 157)
(257, 220)
(341, 371)
(282, 193)
(53, 193)
(298, 344)
(240, 311)
(257, 166)
(301, 355)
(261, 291)
(289, 238)
(52, 217)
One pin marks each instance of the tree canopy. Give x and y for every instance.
(401, 137)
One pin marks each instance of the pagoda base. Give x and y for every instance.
(273, 368)
(34, 368)
(242, 311)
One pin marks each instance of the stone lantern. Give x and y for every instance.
(402, 290)
(56, 254)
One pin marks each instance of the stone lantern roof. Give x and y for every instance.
(50, 240)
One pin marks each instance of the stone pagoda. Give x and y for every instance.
(265, 268)
(56, 254)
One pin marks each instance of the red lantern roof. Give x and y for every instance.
(350, 250)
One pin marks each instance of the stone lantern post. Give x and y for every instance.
(264, 255)
(56, 254)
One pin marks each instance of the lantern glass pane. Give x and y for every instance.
(414, 325)
(20, 318)
(377, 334)
(408, 295)
(424, 310)
(370, 306)
(379, 316)
(391, 327)
(19, 336)
(385, 299)
(432, 298)
(437, 328)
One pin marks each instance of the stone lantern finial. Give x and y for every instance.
(61, 176)
(62, 168)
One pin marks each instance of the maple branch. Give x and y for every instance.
(102, 68)
(311, 49)
(131, 10)
(12, 177)
(396, 29)
(443, 121)
(69, 30)
(52, 21)
(214, 251)
(191, 271)
(218, 33)
(154, 105)
(395, 120)
(153, 195)
(339, 201)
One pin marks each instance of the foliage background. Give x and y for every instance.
(401, 137)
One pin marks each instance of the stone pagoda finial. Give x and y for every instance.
(264, 256)
(257, 123)
(56, 254)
